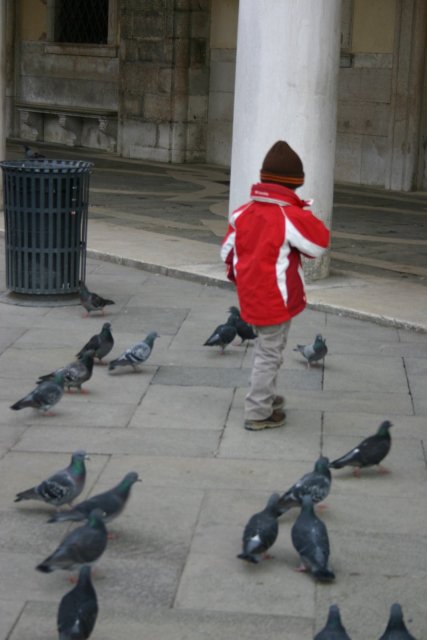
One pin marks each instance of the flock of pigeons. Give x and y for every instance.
(84, 545)
(309, 534)
(50, 387)
(79, 549)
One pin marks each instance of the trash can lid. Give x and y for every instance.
(47, 166)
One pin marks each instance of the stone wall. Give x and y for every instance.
(164, 79)
(67, 94)
(363, 120)
(223, 39)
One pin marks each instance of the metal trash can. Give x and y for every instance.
(45, 209)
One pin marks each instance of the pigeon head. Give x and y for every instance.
(273, 505)
(322, 464)
(307, 503)
(234, 311)
(96, 518)
(383, 428)
(87, 356)
(130, 479)
(106, 326)
(319, 339)
(84, 573)
(396, 618)
(78, 458)
(151, 337)
(59, 378)
(334, 618)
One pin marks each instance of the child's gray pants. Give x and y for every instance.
(267, 359)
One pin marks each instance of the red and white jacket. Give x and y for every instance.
(263, 247)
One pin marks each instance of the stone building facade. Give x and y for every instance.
(162, 85)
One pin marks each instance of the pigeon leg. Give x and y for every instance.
(356, 472)
(322, 507)
(382, 469)
(301, 569)
(267, 556)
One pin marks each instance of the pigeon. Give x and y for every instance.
(136, 354)
(310, 539)
(78, 609)
(317, 484)
(368, 453)
(334, 629)
(244, 330)
(63, 486)
(83, 545)
(396, 628)
(31, 154)
(261, 531)
(110, 502)
(46, 395)
(101, 344)
(315, 351)
(92, 301)
(75, 373)
(223, 334)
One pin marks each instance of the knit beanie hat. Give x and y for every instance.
(282, 165)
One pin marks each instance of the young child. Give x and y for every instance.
(262, 250)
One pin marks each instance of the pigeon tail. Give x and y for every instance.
(248, 557)
(29, 494)
(323, 575)
(44, 567)
(339, 463)
(21, 404)
(72, 515)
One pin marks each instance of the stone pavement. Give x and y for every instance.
(172, 573)
(179, 422)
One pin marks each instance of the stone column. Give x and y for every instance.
(286, 88)
(408, 70)
(2, 91)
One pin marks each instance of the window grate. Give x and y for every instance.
(81, 21)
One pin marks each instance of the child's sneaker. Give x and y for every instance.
(278, 402)
(277, 419)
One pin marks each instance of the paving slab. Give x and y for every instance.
(179, 424)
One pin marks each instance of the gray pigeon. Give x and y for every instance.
(223, 335)
(78, 609)
(368, 453)
(31, 154)
(396, 628)
(317, 484)
(111, 502)
(136, 354)
(46, 395)
(261, 531)
(315, 351)
(83, 545)
(244, 330)
(334, 629)
(63, 486)
(75, 373)
(101, 344)
(311, 541)
(92, 301)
